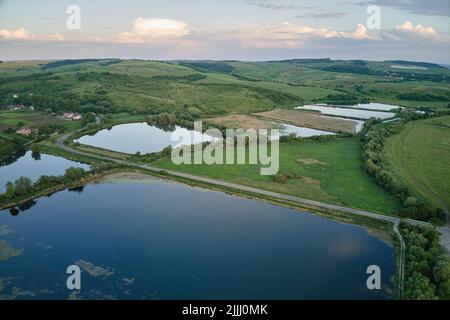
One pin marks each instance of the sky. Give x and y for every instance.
(226, 30)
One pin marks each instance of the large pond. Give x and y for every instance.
(141, 137)
(348, 112)
(159, 240)
(34, 167)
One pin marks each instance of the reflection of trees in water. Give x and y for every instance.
(27, 205)
(36, 155)
(24, 206)
(166, 127)
(77, 189)
(13, 158)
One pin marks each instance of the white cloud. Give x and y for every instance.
(52, 37)
(22, 34)
(19, 34)
(408, 27)
(291, 35)
(151, 30)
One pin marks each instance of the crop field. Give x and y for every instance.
(11, 119)
(420, 157)
(241, 121)
(310, 120)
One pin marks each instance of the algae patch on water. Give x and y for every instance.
(7, 252)
(94, 270)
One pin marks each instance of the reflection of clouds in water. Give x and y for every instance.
(182, 136)
(345, 247)
(5, 230)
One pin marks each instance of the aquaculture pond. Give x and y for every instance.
(370, 106)
(348, 112)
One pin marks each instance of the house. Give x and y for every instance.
(71, 116)
(24, 131)
(16, 107)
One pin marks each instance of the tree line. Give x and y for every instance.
(24, 186)
(375, 133)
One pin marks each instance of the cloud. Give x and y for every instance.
(428, 7)
(291, 35)
(275, 4)
(419, 30)
(322, 15)
(22, 34)
(153, 30)
(19, 34)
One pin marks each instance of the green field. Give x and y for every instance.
(35, 119)
(202, 89)
(324, 171)
(420, 155)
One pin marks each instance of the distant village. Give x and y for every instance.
(69, 116)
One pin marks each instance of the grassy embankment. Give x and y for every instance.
(420, 155)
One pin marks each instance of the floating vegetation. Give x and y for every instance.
(93, 270)
(7, 252)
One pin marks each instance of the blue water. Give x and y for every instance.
(141, 137)
(27, 166)
(169, 241)
(348, 112)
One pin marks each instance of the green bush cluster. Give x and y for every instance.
(9, 148)
(427, 266)
(24, 185)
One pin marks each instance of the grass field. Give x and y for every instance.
(420, 155)
(11, 119)
(325, 171)
(214, 88)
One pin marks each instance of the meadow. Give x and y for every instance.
(328, 171)
(420, 155)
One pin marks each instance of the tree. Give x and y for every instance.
(88, 118)
(419, 287)
(22, 185)
(73, 174)
(441, 273)
(9, 189)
